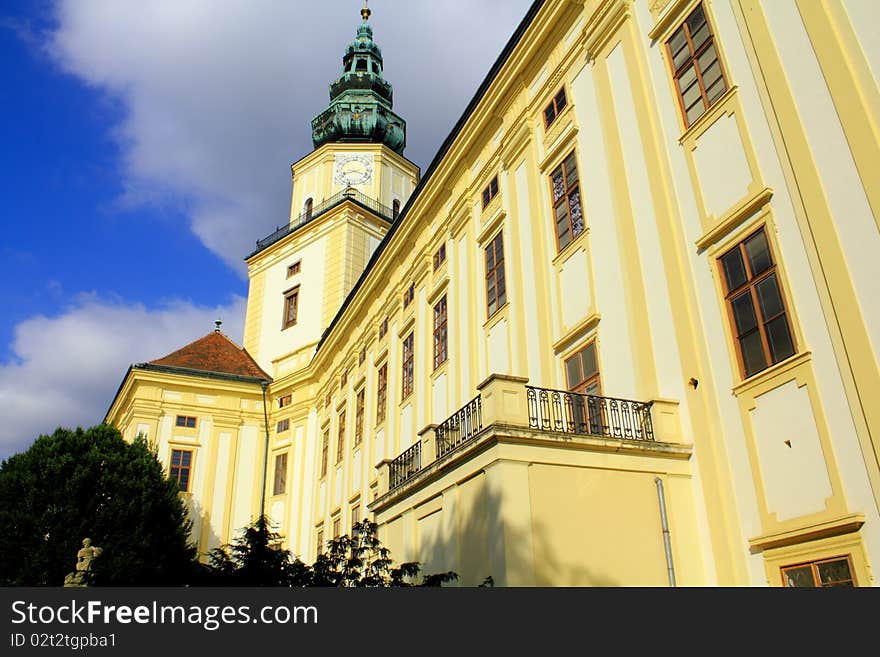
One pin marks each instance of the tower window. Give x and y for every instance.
(181, 464)
(291, 303)
(307, 209)
(361, 64)
(395, 209)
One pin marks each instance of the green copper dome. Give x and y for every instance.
(361, 99)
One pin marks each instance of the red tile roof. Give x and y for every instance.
(214, 353)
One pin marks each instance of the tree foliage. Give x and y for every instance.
(91, 483)
(359, 560)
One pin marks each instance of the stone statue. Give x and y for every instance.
(84, 558)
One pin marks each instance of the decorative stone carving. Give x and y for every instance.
(84, 558)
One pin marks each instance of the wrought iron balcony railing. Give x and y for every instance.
(459, 428)
(571, 412)
(349, 194)
(405, 466)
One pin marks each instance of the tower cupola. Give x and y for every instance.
(361, 100)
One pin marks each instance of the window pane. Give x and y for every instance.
(681, 57)
(577, 215)
(571, 172)
(573, 372)
(560, 100)
(700, 35)
(802, 576)
(752, 353)
(549, 114)
(692, 95)
(707, 59)
(734, 270)
(769, 297)
(499, 246)
(678, 40)
(490, 258)
(588, 358)
(186, 459)
(744, 313)
(688, 78)
(716, 90)
(711, 75)
(758, 253)
(558, 183)
(779, 337)
(563, 234)
(696, 18)
(834, 571)
(175, 457)
(695, 112)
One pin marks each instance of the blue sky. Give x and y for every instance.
(147, 145)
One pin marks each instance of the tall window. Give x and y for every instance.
(582, 377)
(325, 449)
(280, 483)
(383, 328)
(181, 465)
(355, 517)
(440, 333)
(699, 78)
(409, 295)
(490, 192)
(407, 369)
(381, 393)
(496, 288)
(340, 440)
(756, 307)
(319, 542)
(291, 302)
(827, 572)
(337, 527)
(567, 210)
(555, 107)
(307, 209)
(359, 418)
(440, 256)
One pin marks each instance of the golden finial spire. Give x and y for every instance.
(365, 12)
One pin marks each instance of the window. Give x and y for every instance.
(337, 528)
(307, 209)
(555, 107)
(280, 485)
(343, 380)
(282, 426)
(383, 328)
(440, 256)
(407, 370)
(325, 447)
(361, 64)
(440, 333)
(319, 543)
(699, 78)
(181, 465)
(362, 356)
(285, 400)
(409, 295)
(355, 517)
(395, 209)
(755, 305)
(496, 289)
(186, 421)
(381, 393)
(490, 192)
(294, 269)
(827, 572)
(567, 211)
(340, 440)
(291, 301)
(359, 417)
(582, 377)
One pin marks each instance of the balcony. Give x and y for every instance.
(350, 194)
(507, 410)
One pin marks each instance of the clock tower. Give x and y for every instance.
(345, 196)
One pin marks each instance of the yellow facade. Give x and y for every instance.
(758, 470)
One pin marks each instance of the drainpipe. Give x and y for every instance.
(667, 544)
(264, 384)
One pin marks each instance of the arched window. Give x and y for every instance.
(395, 208)
(307, 210)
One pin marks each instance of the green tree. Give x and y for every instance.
(255, 559)
(91, 483)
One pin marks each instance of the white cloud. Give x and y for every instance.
(218, 96)
(67, 368)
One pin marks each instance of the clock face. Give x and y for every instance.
(354, 169)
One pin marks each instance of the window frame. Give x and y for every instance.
(554, 105)
(693, 62)
(381, 392)
(283, 471)
(751, 284)
(493, 276)
(489, 193)
(565, 198)
(814, 570)
(407, 366)
(291, 298)
(175, 471)
(441, 332)
(585, 382)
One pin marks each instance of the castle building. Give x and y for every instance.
(622, 331)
